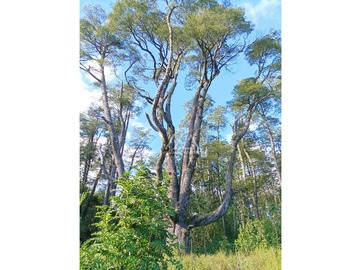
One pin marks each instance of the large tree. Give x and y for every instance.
(200, 38)
(206, 36)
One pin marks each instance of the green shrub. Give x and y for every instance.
(87, 221)
(133, 230)
(259, 234)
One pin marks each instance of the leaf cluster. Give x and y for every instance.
(132, 232)
(213, 24)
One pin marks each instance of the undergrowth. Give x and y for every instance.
(259, 259)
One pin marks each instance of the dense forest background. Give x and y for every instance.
(46, 195)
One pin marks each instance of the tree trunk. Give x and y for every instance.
(86, 206)
(272, 145)
(188, 221)
(255, 188)
(86, 170)
(182, 231)
(114, 136)
(243, 199)
(110, 186)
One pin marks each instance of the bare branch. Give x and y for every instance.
(88, 70)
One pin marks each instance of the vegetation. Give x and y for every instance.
(212, 187)
(259, 259)
(133, 230)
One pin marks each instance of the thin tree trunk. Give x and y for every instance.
(243, 174)
(88, 159)
(86, 171)
(86, 206)
(272, 145)
(255, 188)
(219, 193)
(110, 186)
(114, 136)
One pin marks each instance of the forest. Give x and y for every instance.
(178, 168)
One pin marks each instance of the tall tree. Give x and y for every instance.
(102, 50)
(91, 129)
(201, 38)
(212, 36)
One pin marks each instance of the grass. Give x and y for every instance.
(261, 259)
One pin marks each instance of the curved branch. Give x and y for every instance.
(150, 123)
(202, 220)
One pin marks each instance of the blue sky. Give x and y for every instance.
(264, 14)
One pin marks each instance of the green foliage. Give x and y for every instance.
(211, 24)
(140, 17)
(87, 227)
(96, 36)
(210, 240)
(264, 49)
(259, 234)
(132, 232)
(244, 90)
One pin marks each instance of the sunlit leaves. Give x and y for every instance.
(215, 23)
(133, 231)
(138, 17)
(244, 91)
(265, 52)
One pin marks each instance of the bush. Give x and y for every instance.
(259, 234)
(87, 221)
(133, 230)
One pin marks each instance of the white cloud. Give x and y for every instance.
(253, 126)
(228, 137)
(87, 96)
(109, 74)
(102, 140)
(135, 123)
(142, 155)
(263, 9)
(138, 103)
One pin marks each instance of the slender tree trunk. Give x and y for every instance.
(114, 136)
(255, 188)
(243, 174)
(86, 171)
(110, 186)
(86, 206)
(272, 145)
(219, 195)
(89, 158)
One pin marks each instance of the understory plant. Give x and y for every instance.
(132, 231)
(259, 234)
